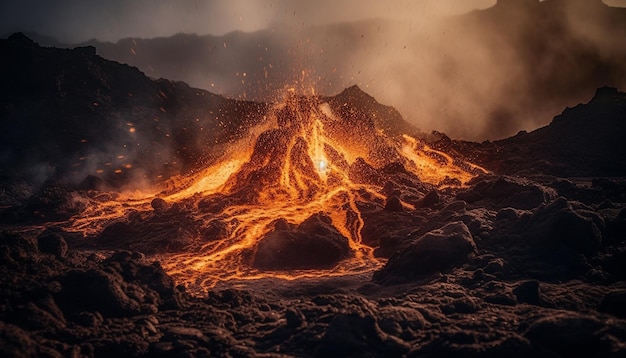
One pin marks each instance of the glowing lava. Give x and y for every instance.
(305, 161)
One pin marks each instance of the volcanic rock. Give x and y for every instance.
(95, 290)
(560, 223)
(361, 172)
(438, 250)
(502, 192)
(314, 244)
(387, 231)
(166, 229)
(355, 335)
(52, 244)
(159, 205)
(53, 202)
(614, 303)
(528, 292)
(431, 199)
(15, 342)
(568, 334)
(393, 204)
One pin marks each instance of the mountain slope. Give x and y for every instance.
(483, 75)
(584, 141)
(71, 113)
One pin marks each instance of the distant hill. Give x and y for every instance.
(583, 141)
(71, 113)
(484, 75)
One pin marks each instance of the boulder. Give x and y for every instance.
(314, 244)
(53, 244)
(357, 336)
(96, 290)
(569, 335)
(431, 199)
(561, 224)
(387, 231)
(393, 204)
(528, 292)
(16, 250)
(159, 205)
(437, 250)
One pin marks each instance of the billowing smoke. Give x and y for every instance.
(501, 68)
(482, 75)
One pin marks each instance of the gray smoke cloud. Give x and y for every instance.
(74, 21)
(476, 76)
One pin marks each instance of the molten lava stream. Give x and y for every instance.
(224, 260)
(301, 162)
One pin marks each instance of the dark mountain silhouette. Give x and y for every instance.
(583, 141)
(484, 75)
(71, 113)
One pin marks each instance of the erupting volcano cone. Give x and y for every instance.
(292, 205)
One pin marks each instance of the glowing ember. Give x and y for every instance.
(304, 166)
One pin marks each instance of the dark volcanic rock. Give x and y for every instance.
(393, 204)
(502, 192)
(159, 205)
(528, 292)
(165, 229)
(561, 224)
(314, 244)
(387, 231)
(584, 141)
(614, 303)
(569, 335)
(95, 290)
(53, 202)
(431, 199)
(15, 342)
(436, 251)
(52, 244)
(17, 250)
(357, 336)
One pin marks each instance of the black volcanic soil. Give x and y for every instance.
(512, 265)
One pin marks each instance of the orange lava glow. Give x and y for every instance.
(294, 165)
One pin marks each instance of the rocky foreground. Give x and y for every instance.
(508, 267)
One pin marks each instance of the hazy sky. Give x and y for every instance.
(486, 87)
(79, 20)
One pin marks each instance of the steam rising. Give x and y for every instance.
(476, 76)
(483, 75)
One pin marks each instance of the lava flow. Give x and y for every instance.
(287, 201)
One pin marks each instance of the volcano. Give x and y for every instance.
(144, 218)
(297, 199)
